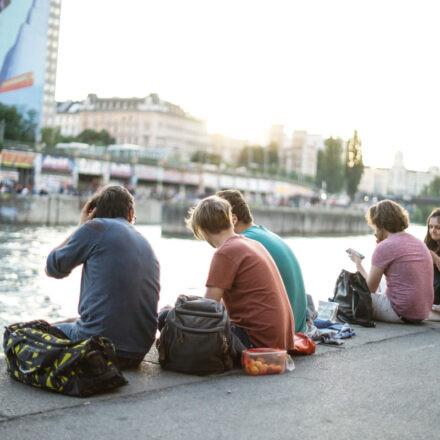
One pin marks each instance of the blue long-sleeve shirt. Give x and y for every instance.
(119, 285)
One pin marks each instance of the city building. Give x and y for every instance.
(301, 156)
(48, 117)
(67, 117)
(29, 33)
(149, 121)
(276, 135)
(228, 148)
(396, 180)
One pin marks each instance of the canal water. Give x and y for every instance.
(27, 293)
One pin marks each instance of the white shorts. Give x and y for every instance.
(382, 310)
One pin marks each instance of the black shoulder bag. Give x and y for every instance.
(354, 299)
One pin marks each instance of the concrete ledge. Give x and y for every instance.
(18, 400)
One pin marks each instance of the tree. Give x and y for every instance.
(273, 156)
(17, 126)
(51, 136)
(30, 124)
(93, 137)
(204, 157)
(252, 157)
(433, 189)
(13, 122)
(321, 169)
(330, 168)
(354, 165)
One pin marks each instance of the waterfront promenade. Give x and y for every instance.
(381, 384)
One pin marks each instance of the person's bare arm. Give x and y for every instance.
(215, 293)
(354, 256)
(435, 259)
(373, 278)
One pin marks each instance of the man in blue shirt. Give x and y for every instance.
(283, 256)
(120, 276)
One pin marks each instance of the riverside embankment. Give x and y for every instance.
(59, 209)
(54, 210)
(281, 220)
(381, 384)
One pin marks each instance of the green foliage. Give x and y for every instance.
(294, 175)
(354, 165)
(272, 153)
(260, 158)
(433, 189)
(93, 137)
(30, 124)
(51, 136)
(252, 157)
(204, 157)
(18, 127)
(330, 168)
(421, 213)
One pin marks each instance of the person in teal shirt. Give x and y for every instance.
(280, 251)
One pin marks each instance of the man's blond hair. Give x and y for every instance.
(212, 214)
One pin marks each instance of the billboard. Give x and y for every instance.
(23, 44)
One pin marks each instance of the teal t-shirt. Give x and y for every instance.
(289, 268)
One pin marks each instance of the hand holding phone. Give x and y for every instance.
(352, 251)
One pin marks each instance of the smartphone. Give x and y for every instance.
(355, 252)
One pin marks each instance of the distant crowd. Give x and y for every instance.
(166, 193)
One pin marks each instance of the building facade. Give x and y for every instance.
(150, 122)
(228, 148)
(301, 156)
(29, 31)
(396, 180)
(48, 117)
(67, 118)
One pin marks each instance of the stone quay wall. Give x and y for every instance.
(61, 209)
(281, 220)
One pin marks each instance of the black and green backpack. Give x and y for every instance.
(40, 355)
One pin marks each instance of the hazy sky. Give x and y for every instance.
(328, 66)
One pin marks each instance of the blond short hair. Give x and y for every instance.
(388, 215)
(212, 214)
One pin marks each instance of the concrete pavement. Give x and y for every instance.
(381, 384)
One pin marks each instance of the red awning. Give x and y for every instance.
(17, 159)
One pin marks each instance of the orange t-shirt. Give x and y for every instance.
(254, 297)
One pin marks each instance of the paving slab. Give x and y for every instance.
(380, 381)
(17, 399)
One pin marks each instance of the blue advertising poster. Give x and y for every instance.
(23, 41)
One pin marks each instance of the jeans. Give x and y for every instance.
(71, 331)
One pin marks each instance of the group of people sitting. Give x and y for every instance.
(253, 272)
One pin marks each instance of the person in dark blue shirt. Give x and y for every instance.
(120, 276)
